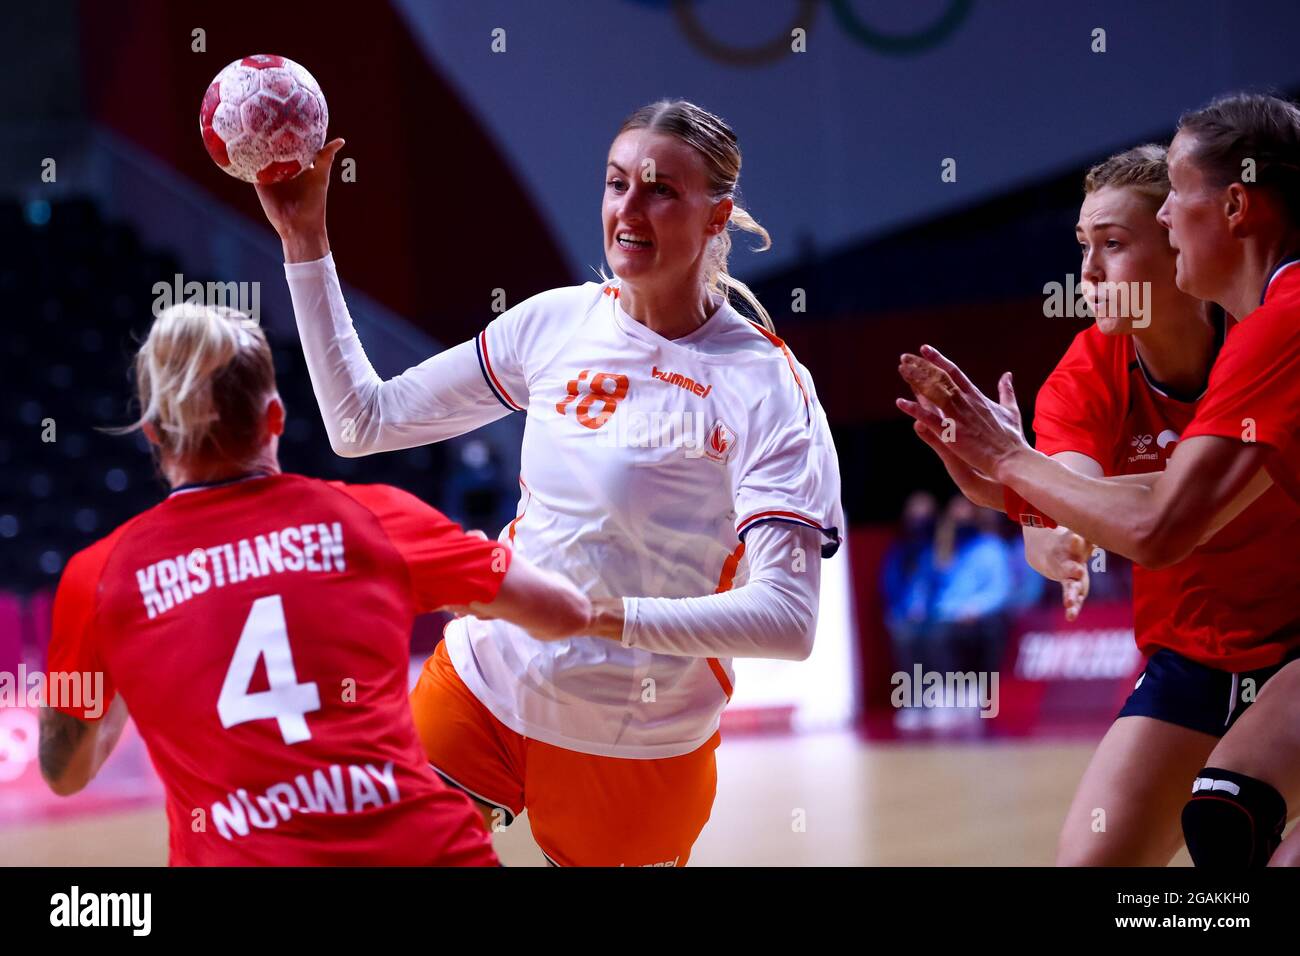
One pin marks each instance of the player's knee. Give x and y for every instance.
(1233, 821)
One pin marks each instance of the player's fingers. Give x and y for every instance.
(1072, 599)
(1072, 571)
(932, 354)
(928, 380)
(930, 419)
(1078, 548)
(329, 150)
(1080, 598)
(1007, 393)
(928, 435)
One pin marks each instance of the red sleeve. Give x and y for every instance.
(73, 648)
(446, 565)
(1078, 407)
(1254, 392)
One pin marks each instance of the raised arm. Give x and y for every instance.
(440, 398)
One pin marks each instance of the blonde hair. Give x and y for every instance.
(1143, 168)
(712, 138)
(202, 378)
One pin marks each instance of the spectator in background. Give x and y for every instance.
(973, 592)
(907, 580)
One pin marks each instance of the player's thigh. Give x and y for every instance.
(1126, 811)
(605, 811)
(1265, 740)
(466, 745)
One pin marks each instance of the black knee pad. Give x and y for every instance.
(1233, 821)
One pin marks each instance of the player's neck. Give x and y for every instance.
(1250, 279)
(207, 473)
(672, 312)
(1178, 354)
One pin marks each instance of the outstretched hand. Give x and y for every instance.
(973, 428)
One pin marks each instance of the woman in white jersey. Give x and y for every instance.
(675, 465)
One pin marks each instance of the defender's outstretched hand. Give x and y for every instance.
(973, 427)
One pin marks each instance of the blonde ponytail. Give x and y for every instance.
(202, 378)
(721, 281)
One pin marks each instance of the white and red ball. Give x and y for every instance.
(263, 119)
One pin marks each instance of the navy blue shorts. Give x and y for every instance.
(1180, 691)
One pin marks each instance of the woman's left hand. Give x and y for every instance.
(981, 432)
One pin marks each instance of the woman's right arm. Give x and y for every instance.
(440, 398)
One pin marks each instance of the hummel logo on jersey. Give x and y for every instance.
(1142, 445)
(676, 378)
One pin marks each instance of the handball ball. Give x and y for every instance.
(263, 119)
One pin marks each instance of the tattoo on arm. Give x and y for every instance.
(61, 735)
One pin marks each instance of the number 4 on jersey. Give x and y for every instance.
(265, 635)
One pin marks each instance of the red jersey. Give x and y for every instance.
(259, 634)
(1234, 602)
(1254, 392)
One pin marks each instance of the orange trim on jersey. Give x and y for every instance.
(725, 580)
(780, 343)
(519, 517)
(715, 665)
(496, 382)
(609, 289)
(729, 566)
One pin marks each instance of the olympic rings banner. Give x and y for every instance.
(846, 110)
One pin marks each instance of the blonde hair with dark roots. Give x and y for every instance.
(1143, 168)
(202, 378)
(712, 138)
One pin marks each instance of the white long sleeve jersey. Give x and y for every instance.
(649, 468)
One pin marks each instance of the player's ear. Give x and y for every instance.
(1236, 202)
(274, 416)
(721, 216)
(150, 433)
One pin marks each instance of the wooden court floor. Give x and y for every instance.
(827, 799)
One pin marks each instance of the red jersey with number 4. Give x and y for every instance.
(1234, 602)
(258, 632)
(1254, 392)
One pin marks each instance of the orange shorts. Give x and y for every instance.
(585, 810)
